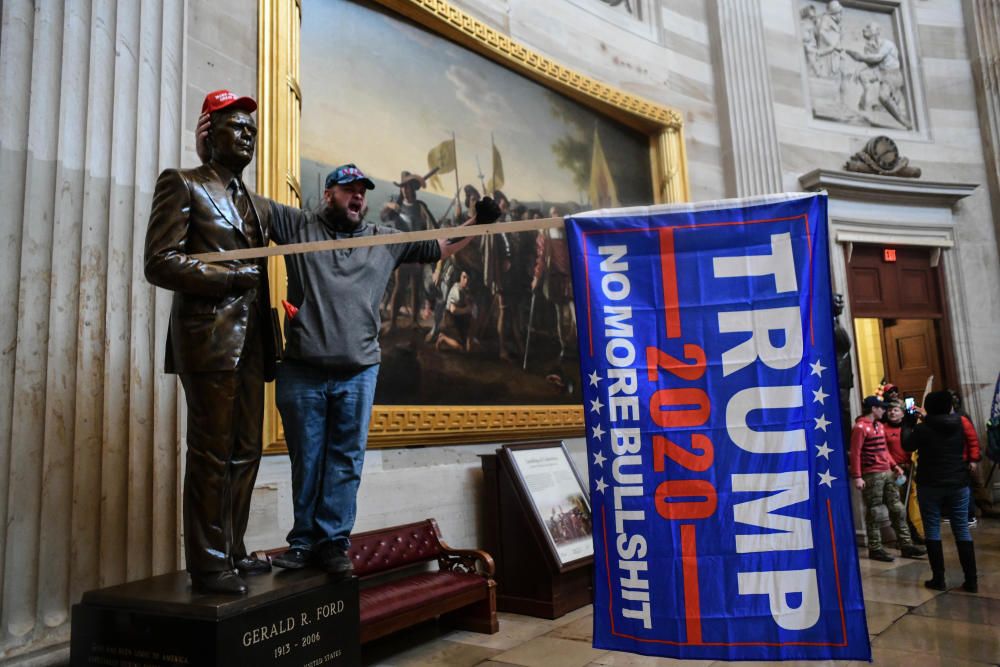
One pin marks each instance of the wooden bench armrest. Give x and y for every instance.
(466, 560)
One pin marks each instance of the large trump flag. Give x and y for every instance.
(722, 515)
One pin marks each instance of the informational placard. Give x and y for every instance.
(558, 500)
(722, 514)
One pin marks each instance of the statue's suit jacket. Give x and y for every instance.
(193, 213)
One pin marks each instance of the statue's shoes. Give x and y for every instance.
(226, 582)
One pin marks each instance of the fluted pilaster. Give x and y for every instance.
(982, 19)
(91, 97)
(745, 89)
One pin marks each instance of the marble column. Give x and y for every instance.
(745, 94)
(91, 95)
(982, 20)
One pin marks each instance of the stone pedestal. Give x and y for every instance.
(288, 618)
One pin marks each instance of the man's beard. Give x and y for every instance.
(338, 216)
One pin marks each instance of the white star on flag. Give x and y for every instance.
(826, 478)
(601, 485)
(597, 431)
(817, 368)
(599, 459)
(819, 395)
(824, 451)
(596, 405)
(594, 379)
(821, 423)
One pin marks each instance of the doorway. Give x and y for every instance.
(900, 320)
(902, 351)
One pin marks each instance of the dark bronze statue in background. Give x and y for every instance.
(219, 341)
(845, 370)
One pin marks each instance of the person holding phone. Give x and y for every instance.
(898, 425)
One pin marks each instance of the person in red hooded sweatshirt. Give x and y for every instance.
(971, 444)
(874, 475)
(897, 426)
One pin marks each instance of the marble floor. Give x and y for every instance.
(909, 625)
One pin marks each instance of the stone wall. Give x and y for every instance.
(398, 486)
(91, 95)
(949, 147)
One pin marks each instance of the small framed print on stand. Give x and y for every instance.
(540, 529)
(557, 498)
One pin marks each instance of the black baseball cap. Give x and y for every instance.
(873, 402)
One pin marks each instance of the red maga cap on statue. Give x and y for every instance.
(223, 99)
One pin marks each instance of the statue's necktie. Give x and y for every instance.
(239, 198)
(242, 203)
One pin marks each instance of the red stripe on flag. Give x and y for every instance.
(692, 597)
(586, 275)
(836, 572)
(668, 268)
(607, 569)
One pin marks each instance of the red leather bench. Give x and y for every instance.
(462, 590)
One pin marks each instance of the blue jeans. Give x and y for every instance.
(934, 500)
(325, 415)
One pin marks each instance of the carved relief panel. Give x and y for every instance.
(636, 16)
(859, 63)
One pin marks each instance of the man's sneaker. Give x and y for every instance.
(294, 559)
(335, 561)
(881, 555)
(973, 522)
(912, 551)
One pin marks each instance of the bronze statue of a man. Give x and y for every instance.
(219, 341)
(845, 369)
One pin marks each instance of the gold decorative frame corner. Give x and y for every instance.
(279, 112)
(279, 108)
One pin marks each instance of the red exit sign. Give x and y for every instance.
(889, 254)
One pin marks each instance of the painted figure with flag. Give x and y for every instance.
(603, 193)
(496, 180)
(722, 514)
(443, 159)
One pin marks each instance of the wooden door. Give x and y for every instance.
(907, 295)
(912, 355)
(906, 287)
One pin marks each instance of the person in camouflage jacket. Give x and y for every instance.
(874, 474)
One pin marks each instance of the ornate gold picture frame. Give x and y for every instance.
(278, 176)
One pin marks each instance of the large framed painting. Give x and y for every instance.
(441, 110)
